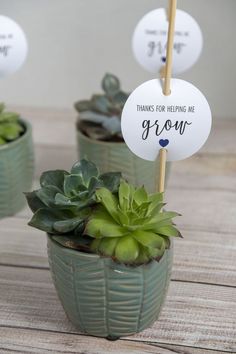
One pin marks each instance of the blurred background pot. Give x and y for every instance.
(116, 156)
(107, 299)
(16, 171)
(100, 138)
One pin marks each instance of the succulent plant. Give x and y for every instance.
(102, 214)
(64, 201)
(10, 126)
(99, 117)
(130, 227)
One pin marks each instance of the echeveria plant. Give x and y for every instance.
(99, 117)
(65, 199)
(102, 214)
(10, 126)
(130, 227)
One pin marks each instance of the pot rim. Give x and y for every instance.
(27, 132)
(71, 251)
(99, 142)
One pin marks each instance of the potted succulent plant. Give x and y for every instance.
(100, 139)
(16, 161)
(109, 248)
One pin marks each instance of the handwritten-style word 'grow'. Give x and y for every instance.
(159, 129)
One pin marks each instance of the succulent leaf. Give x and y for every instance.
(47, 195)
(82, 106)
(148, 239)
(111, 180)
(86, 169)
(102, 225)
(53, 178)
(120, 98)
(153, 224)
(109, 201)
(107, 246)
(72, 184)
(64, 226)
(127, 250)
(168, 230)
(44, 219)
(140, 196)
(33, 201)
(110, 85)
(101, 104)
(112, 125)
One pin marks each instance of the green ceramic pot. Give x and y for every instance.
(106, 299)
(16, 172)
(110, 156)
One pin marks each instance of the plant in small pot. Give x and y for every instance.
(99, 136)
(16, 161)
(109, 248)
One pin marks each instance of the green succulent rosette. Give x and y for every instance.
(131, 226)
(65, 199)
(99, 117)
(10, 126)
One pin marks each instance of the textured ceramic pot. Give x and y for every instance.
(106, 299)
(110, 156)
(16, 172)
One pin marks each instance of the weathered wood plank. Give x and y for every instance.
(210, 210)
(195, 315)
(207, 257)
(204, 172)
(36, 341)
(21, 245)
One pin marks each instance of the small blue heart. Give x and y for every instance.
(163, 59)
(164, 142)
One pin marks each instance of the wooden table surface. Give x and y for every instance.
(199, 315)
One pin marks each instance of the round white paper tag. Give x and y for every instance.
(180, 122)
(13, 46)
(150, 39)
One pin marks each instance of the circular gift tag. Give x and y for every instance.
(13, 46)
(180, 122)
(150, 40)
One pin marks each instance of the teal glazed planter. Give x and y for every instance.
(16, 172)
(110, 156)
(107, 299)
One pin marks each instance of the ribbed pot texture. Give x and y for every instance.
(110, 156)
(106, 299)
(16, 172)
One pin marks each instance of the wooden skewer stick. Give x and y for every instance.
(169, 51)
(166, 87)
(162, 167)
(162, 70)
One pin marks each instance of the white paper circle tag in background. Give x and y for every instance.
(13, 46)
(180, 122)
(150, 39)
